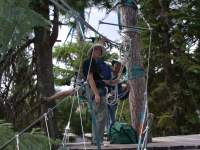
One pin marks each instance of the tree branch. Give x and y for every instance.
(54, 33)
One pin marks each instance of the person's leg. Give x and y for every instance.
(101, 119)
(112, 113)
(109, 120)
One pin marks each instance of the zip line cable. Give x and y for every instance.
(65, 7)
(88, 19)
(132, 27)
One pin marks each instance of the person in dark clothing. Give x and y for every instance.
(93, 73)
(117, 70)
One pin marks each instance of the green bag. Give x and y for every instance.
(122, 133)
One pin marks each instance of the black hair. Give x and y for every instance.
(117, 62)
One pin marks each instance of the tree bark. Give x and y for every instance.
(132, 40)
(44, 41)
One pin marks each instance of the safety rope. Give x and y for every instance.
(47, 128)
(17, 141)
(83, 133)
(146, 111)
(65, 139)
(81, 29)
(70, 31)
(146, 131)
(73, 30)
(78, 97)
(65, 136)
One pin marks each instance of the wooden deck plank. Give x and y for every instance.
(187, 142)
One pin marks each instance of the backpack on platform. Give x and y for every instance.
(122, 133)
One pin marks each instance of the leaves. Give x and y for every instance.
(34, 140)
(174, 66)
(17, 21)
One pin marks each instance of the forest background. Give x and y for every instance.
(29, 31)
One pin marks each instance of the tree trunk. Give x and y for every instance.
(132, 40)
(44, 41)
(165, 37)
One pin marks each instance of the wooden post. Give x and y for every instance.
(128, 11)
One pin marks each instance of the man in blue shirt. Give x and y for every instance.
(93, 73)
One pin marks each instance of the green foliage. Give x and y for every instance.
(34, 140)
(17, 21)
(72, 55)
(174, 88)
(166, 124)
(123, 112)
(174, 65)
(75, 122)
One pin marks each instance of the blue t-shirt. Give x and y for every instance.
(94, 68)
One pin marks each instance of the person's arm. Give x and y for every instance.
(60, 94)
(93, 86)
(111, 82)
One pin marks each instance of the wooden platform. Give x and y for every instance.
(187, 142)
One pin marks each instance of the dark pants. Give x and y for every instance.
(111, 114)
